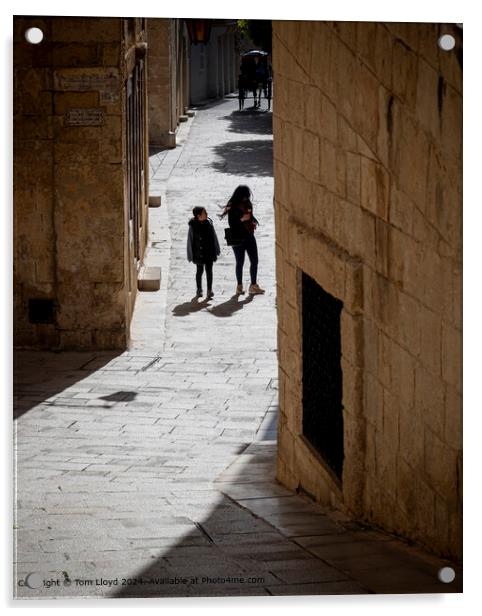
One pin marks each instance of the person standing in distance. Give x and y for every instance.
(239, 210)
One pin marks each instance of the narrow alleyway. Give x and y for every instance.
(156, 466)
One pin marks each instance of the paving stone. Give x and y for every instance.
(310, 575)
(350, 551)
(302, 529)
(236, 591)
(331, 535)
(325, 588)
(242, 492)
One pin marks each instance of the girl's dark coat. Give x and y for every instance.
(202, 242)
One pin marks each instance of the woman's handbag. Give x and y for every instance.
(231, 238)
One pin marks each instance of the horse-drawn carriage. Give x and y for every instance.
(255, 76)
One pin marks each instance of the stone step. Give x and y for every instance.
(149, 279)
(154, 200)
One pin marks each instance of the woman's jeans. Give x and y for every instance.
(248, 246)
(209, 274)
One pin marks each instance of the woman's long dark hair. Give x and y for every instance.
(241, 193)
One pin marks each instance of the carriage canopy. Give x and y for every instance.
(255, 75)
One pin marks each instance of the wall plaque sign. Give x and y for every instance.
(84, 117)
(104, 81)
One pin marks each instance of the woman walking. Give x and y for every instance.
(242, 222)
(202, 248)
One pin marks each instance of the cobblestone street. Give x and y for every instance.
(151, 473)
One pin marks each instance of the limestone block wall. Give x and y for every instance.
(368, 201)
(159, 80)
(168, 70)
(70, 204)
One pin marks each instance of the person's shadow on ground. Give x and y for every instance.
(182, 310)
(227, 309)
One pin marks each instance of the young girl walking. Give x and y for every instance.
(202, 248)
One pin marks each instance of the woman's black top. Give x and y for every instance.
(242, 229)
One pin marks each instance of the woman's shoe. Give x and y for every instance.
(255, 289)
(239, 289)
(199, 293)
(210, 293)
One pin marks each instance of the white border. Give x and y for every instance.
(351, 10)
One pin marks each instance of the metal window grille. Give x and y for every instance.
(135, 151)
(322, 375)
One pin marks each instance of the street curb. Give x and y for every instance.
(158, 249)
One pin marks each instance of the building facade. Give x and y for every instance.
(168, 77)
(214, 65)
(368, 202)
(80, 180)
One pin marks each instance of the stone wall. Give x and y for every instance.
(70, 203)
(167, 79)
(368, 200)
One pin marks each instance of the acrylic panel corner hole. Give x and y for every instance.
(34, 36)
(446, 42)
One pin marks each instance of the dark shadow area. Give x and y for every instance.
(280, 543)
(251, 120)
(227, 309)
(153, 149)
(214, 102)
(120, 396)
(40, 375)
(183, 310)
(247, 158)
